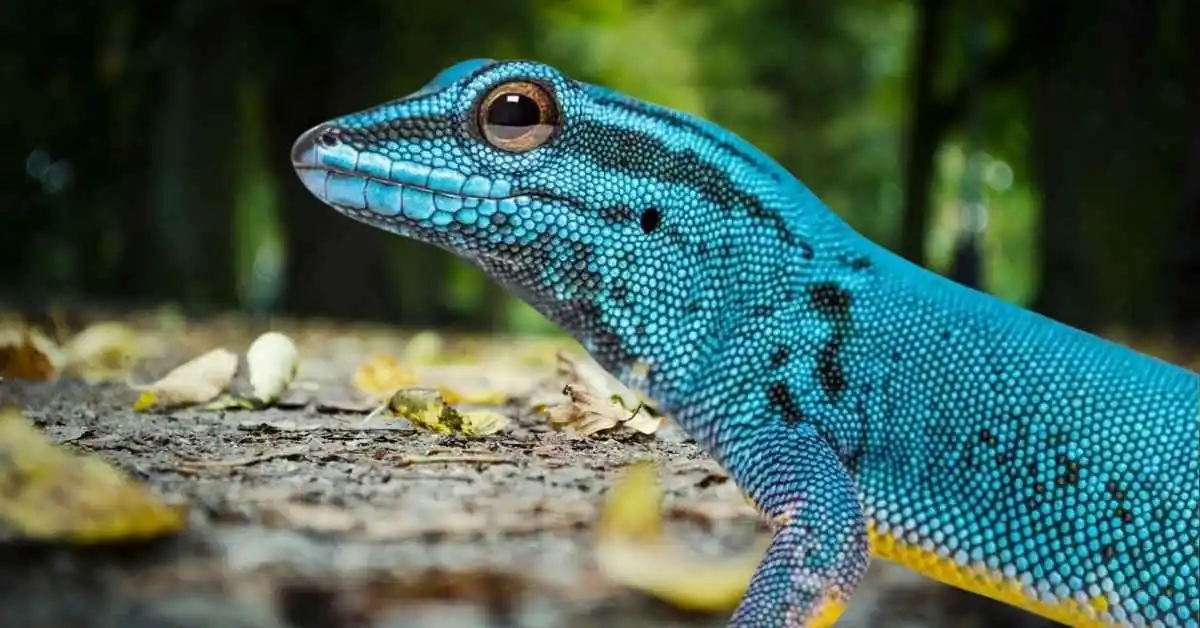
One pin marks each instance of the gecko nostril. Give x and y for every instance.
(327, 139)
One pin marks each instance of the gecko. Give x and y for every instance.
(867, 406)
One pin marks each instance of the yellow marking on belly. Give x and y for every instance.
(979, 579)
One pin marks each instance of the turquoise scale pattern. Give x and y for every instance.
(840, 385)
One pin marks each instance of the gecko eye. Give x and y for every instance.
(518, 116)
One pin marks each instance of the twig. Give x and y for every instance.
(409, 460)
(196, 465)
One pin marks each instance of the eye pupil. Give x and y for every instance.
(650, 219)
(512, 115)
(518, 116)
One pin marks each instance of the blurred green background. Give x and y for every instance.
(144, 158)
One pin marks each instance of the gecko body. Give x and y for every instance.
(866, 405)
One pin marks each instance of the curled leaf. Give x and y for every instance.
(427, 408)
(597, 401)
(588, 414)
(632, 551)
(104, 351)
(382, 375)
(49, 494)
(272, 361)
(195, 382)
(26, 353)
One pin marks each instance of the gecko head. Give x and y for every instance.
(600, 211)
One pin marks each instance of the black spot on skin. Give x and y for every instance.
(1032, 469)
(763, 310)
(1115, 491)
(779, 357)
(499, 219)
(1002, 457)
(857, 263)
(693, 307)
(829, 370)
(1109, 552)
(640, 330)
(833, 302)
(779, 396)
(1124, 514)
(1070, 478)
(1039, 488)
(702, 249)
(946, 335)
(987, 437)
(620, 294)
(830, 299)
(806, 250)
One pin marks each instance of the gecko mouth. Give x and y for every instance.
(376, 189)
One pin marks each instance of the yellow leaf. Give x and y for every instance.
(382, 375)
(479, 423)
(49, 494)
(195, 382)
(632, 551)
(272, 361)
(474, 397)
(26, 353)
(427, 408)
(104, 351)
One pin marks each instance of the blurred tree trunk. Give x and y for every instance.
(320, 63)
(190, 252)
(1101, 134)
(925, 132)
(1035, 30)
(1183, 268)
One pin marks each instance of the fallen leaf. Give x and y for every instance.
(587, 414)
(26, 353)
(632, 551)
(103, 351)
(597, 402)
(474, 397)
(49, 494)
(427, 408)
(195, 382)
(424, 347)
(382, 375)
(272, 361)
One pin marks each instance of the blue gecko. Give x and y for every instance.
(867, 406)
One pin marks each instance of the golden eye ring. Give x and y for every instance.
(518, 116)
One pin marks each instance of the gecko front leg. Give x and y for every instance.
(819, 552)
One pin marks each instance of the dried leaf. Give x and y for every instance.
(597, 401)
(195, 382)
(103, 352)
(382, 375)
(588, 414)
(272, 361)
(427, 408)
(26, 353)
(632, 551)
(49, 494)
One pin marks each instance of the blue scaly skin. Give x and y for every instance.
(867, 406)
